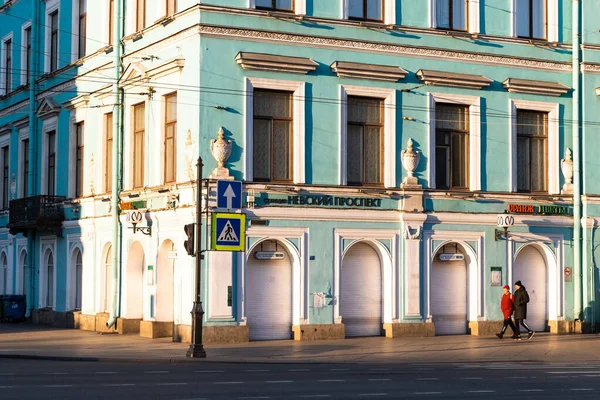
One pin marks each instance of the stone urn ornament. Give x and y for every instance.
(410, 161)
(221, 150)
(566, 166)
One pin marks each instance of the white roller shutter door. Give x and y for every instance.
(269, 298)
(530, 269)
(449, 297)
(360, 292)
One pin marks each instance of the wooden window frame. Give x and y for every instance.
(364, 125)
(108, 151)
(275, 8)
(51, 172)
(111, 22)
(291, 137)
(79, 158)
(169, 124)
(364, 13)
(455, 132)
(82, 34)
(54, 41)
(451, 16)
(530, 138)
(170, 7)
(140, 15)
(141, 134)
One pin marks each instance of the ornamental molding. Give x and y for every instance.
(23, 105)
(514, 85)
(48, 108)
(357, 45)
(275, 63)
(77, 102)
(389, 73)
(451, 79)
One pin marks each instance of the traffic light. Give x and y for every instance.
(189, 243)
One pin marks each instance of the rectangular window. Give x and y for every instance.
(279, 5)
(139, 126)
(451, 14)
(171, 7)
(25, 169)
(82, 27)
(79, 131)
(5, 178)
(51, 167)
(532, 144)
(365, 141)
(451, 146)
(7, 66)
(27, 54)
(140, 19)
(111, 21)
(54, 41)
(108, 152)
(272, 139)
(531, 18)
(365, 10)
(170, 135)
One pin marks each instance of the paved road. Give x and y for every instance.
(23, 379)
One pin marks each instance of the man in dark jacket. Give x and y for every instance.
(506, 304)
(521, 298)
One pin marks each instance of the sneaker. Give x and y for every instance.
(530, 335)
(518, 338)
(499, 335)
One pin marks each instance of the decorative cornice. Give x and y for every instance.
(48, 108)
(514, 85)
(23, 105)
(77, 102)
(389, 73)
(386, 48)
(442, 78)
(275, 63)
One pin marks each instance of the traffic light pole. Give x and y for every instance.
(196, 349)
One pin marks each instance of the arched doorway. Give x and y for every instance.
(269, 292)
(449, 290)
(4, 267)
(107, 279)
(49, 279)
(23, 264)
(76, 279)
(361, 291)
(530, 268)
(134, 285)
(164, 283)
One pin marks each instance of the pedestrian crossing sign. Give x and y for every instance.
(228, 232)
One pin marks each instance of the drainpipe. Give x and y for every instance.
(32, 181)
(577, 273)
(116, 167)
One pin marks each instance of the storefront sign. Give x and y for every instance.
(322, 200)
(269, 255)
(451, 257)
(538, 209)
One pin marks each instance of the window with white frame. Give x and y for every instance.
(171, 7)
(296, 6)
(4, 266)
(54, 41)
(140, 15)
(535, 19)
(455, 138)
(78, 280)
(534, 147)
(8, 65)
(49, 279)
(108, 152)
(24, 159)
(26, 54)
(111, 22)
(24, 273)
(367, 136)
(139, 137)
(271, 124)
(460, 15)
(365, 10)
(170, 139)
(81, 27)
(51, 163)
(79, 157)
(5, 176)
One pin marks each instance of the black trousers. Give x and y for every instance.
(519, 322)
(508, 322)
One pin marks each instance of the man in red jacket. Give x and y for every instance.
(506, 304)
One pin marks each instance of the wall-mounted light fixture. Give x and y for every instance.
(504, 221)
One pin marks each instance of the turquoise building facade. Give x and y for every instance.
(378, 142)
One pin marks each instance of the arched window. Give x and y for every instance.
(4, 266)
(108, 282)
(50, 280)
(78, 280)
(24, 274)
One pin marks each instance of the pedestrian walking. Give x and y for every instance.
(520, 300)
(507, 307)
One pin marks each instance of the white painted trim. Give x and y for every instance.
(491, 219)
(46, 245)
(324, 214)
(299, 6)
(553, 141)
(473, 15)
(389, 262)
(551, 22)
(554, 267)
(48, 125)
(20, 284)
(300, 268)
(23, 74)
(475, 269)
(51, 7)
(474, 135)
(299, 123)
(3, 57)
(389, 130)
(73, 244)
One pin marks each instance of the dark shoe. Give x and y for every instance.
(518, 338)
(499, 335)
(513, 336)
(530, 335)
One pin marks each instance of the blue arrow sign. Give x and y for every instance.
(229, 194)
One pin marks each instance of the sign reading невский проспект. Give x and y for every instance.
(538, 209)
(324, 200)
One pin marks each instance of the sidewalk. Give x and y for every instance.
(40, 342)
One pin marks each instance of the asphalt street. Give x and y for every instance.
(30, 379)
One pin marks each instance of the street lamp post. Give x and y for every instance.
(504, 221)
(196, 349)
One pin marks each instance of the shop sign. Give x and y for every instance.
(269, 255)
(323, 200)
(538, 209)
(451, 257)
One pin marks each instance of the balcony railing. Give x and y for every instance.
(39, 213)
